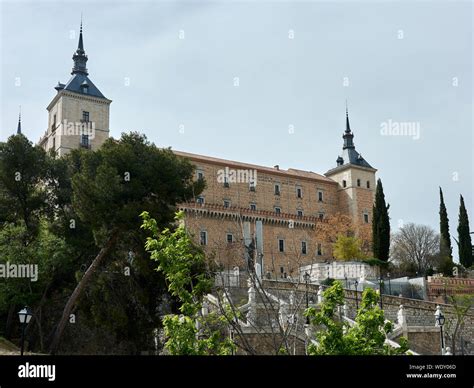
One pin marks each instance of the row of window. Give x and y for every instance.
(276, 188)
(304, 247)
(253, 206)
(85, 119)
(344, 183)
(281, 243)
(277, 209)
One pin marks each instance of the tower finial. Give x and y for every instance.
(348, 127)
(18, 130)
(80, 46)
(80, 57)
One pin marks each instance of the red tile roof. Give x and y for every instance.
(291, 172)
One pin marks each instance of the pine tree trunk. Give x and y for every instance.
(79, 290)
(8, 327)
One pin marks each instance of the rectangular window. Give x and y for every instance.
(320, 196)
(54, 143)
(282, 270)
(200, 175)
(85, 141)
(226, 203)
(277, 189)
(253, 206)
(303, 247)
(200, 200)
(368, 184)
(321, 216)
(203, 238)
(85, 116)
(252, 186)
(366, 218)
(320, 249)
(358, 182)
(281, 245)
(230, 238)
(299, 192)
(300, 213)
(53, 127)
(344, 183)
(226, 182)
(277, 210)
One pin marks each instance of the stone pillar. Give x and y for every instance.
(292, 298)
(283, 315)
(205, 308)
(402, 320)
(320, 295)
(252, 313)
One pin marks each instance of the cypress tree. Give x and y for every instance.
(380, 225)
(445, 247)
(465, 244)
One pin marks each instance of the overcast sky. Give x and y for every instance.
(295, 64)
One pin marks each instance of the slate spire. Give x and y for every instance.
(348, 135)
(80, 57)
(18, 130)
(348, 127)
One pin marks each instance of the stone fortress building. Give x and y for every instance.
(286, 213)
(78, 115)
(290, 204)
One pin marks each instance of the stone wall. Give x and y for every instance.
(268, 344)
(419, 313)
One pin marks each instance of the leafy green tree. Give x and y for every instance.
(22, 167)
(366, 337)
(464, 238)
(112, 186)
(48, 253)
(380, 225)
(184, 267)
(348, 248)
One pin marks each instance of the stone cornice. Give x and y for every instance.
(67, 93)
(245, 214)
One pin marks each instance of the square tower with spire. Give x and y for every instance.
(78, 115)
(356, 183)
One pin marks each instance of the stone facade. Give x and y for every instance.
(78, 116)
(290, 203)
(339, 270)
(67, 123)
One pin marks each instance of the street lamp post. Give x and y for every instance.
(439, 317)
(24, 315)
(380, 289)
(306, 280)
(356, 283)
(389, 285)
